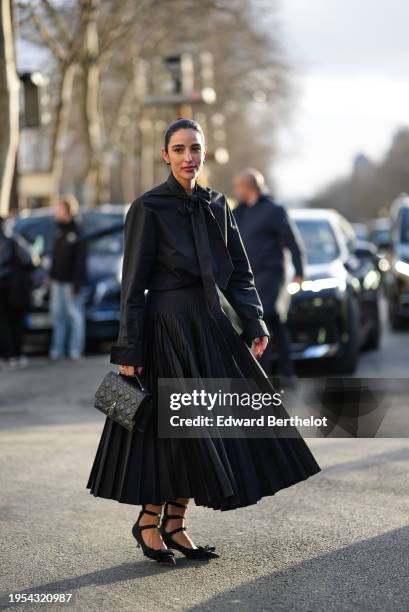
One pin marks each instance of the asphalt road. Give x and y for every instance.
(336, 542)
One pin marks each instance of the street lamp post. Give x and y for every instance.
(180, 90)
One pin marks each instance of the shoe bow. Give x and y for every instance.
(206, 551)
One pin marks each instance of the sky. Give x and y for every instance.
(351, 72)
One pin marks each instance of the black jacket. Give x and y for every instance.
(16, 265)
(160, 253)
(69, 255)
(15, 254)
(7, 257)
(266, 230)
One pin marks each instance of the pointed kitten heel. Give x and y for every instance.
(160, 555)
(201, 552)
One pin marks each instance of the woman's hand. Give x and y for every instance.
(259, 346)
(129, 370)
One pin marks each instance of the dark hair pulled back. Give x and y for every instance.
(182, 124)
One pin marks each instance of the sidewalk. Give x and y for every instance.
(337, 541)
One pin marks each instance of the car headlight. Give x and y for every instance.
(317, 285)
(371, 280)
(402, 267)
(383, 264)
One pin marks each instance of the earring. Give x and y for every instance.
(168, 163)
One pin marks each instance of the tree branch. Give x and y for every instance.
(45, 34)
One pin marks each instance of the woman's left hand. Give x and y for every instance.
(259, 346)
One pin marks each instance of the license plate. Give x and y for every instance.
(39, 320)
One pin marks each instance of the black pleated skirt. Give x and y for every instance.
(183, 339)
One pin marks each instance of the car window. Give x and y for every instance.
(95, 220)
(348, 232)
(38, 232)
(108, 245)
(319, 240)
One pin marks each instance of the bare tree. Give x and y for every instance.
(370, 188)
(9, 106)
(44, 26)
(98, 50)
(81, 40)
(252, 79)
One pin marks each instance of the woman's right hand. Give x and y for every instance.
(129, 370)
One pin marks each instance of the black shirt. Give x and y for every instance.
(160, 253)
(69, 254)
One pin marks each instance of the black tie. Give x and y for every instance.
(198, 207)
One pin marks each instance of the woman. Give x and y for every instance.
(181, 240)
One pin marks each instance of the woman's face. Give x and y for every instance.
(186, 153)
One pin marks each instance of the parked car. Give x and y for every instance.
(397, 280)
(335, 312)
(103, 232)
(380, 234)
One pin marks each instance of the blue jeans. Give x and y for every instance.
(68, 318)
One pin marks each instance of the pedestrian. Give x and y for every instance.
(68, 275)
(16, 264)
(267, 231)
(180, 241)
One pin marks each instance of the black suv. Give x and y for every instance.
(335, 312)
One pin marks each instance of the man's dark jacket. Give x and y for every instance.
(69, 255)
(266, 230)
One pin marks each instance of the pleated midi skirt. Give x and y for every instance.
(182, 338)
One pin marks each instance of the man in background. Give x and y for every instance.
(266, 231)
(16, 264)
(67, 276)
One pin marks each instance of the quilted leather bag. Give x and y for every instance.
(124, 400)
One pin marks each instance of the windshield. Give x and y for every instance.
(108, 245)
(319, 240)
(39, 232)
(94, 220)
(405, 226)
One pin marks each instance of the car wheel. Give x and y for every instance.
(374, 337)
(347, 359)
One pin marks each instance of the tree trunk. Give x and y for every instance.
(9, 107)
(61, 126)
(93, 117)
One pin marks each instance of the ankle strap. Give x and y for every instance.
(144, 511)
(169, 533)
(172, 516)
(173, 503)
